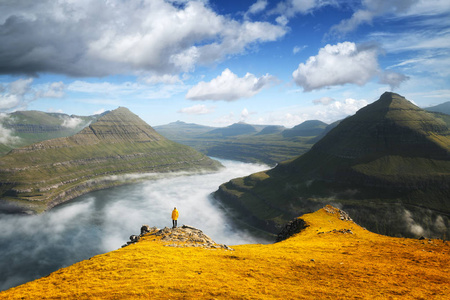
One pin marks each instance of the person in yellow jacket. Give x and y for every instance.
(174, 217)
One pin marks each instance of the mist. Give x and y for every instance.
(102, 221)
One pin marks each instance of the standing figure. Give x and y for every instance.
(174, 217)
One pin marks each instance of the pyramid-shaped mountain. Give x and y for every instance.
(42, 175)
(390, 159)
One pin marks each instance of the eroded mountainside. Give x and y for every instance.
(331, 257)
(37, 177)
(388, 166)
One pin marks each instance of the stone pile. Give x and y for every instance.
(342, 214)
(184, 236)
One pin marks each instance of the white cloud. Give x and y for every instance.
(338, 65)
(372, 9)
(99, 112)
(118, 91)
(324, 101)
(71, 122)
(17, 94)
(257, 7)
(290, 8)
(294, 115)
(244, 114)
(52, 90)
(98, 38)
(7, 136)
(165, 78)
(199, 109)
(229, 87)
(297, 49)
(393, 79)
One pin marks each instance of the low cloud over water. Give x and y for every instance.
(34, 246)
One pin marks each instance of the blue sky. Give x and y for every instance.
(220, 62)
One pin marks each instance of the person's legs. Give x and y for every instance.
(176, 223)
(173, 223)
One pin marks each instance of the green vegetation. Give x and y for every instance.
(28, 127)
(39, 176)
(390, 157)
(332, 258)
(244, 142)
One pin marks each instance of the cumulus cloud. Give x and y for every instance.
(98, 38)
(229, 87)
(393, 79)
(17, 94)
(338, 65)
(199, 109)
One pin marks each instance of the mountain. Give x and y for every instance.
(181, 130)
(240, 141)
(28, 127)
(232, 130)
(388, 166)
(37, 177)
(271, 129)
(440, 108)
(307, 128)
(326, 256)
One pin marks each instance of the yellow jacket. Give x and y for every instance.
(175, 214)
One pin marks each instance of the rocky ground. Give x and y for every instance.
(184, 236)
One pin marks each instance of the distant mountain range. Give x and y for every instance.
(39, 176)
(388, 165)
(440, 108)
(269, 144)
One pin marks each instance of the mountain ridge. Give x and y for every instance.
(391, 157)
(331, 254)
(37, 177)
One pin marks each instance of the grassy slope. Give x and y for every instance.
(46, 173)
(34, 126)
(358, 265)
(390, 152)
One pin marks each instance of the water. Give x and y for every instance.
(102, 221)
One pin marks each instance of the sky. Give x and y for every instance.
(216, 63)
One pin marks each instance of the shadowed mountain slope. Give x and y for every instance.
(42, 175)
(332, 257)
(388, 165)
(307, 128)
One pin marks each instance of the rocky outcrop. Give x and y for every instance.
(184, 236)
(291, 228)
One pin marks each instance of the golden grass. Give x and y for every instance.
(311, 265)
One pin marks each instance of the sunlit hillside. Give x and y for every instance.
(331, 258)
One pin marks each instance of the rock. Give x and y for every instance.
(184, 236)
(291, 228)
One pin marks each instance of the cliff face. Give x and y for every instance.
(42, 175)
(391, 156)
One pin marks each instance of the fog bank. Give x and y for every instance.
(102, 221)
